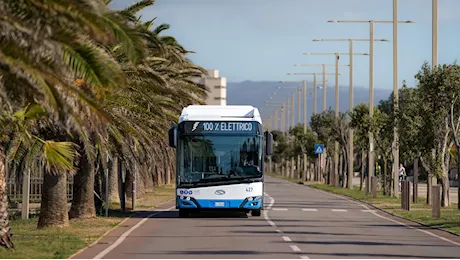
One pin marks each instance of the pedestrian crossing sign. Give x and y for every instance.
(319, 148)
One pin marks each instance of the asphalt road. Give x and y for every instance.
(299, 222)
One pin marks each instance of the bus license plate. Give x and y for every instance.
(219, 204)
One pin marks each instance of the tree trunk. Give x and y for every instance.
(129, 179)
(5, 236)
(83, 185)
(149, 179)
(363, 165)
(445, 197)
(344, 167)
(159, 174)
(458, 176)
(113, 181)
(385, 183)
(54, 209)
(98, 194)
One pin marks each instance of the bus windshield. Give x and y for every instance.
(219, 158)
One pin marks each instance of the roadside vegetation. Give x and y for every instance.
(54, 242)
(427, 118)
(86, 91)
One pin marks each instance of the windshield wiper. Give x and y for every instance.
(247, 179)
(201, 181)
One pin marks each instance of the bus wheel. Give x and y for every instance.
(183, 213)
(255, 212)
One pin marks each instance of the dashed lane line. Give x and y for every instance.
(287, 239)
(309, 210)
(295, 248)
(273, 224)
(339, 210)
(280, 209)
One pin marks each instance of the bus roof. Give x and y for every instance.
(220, 113)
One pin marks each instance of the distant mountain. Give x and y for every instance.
(257, 93)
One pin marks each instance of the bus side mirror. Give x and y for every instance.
(269, 143)
(172, 136)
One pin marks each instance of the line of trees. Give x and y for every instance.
(428, 121)
(80, 82)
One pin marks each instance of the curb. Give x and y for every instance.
(389, 213)
(113, 228)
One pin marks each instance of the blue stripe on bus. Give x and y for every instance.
(215, 204)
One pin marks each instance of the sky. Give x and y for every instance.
(261, 40)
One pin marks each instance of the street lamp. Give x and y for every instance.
(395, 23)
(314, 92)
(293, 103)
(337, 56)
(275, 114)
(350, 130)
(277, 104)
(434, 37)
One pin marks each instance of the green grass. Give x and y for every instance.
(55, 242)
(420, 211)
(284, 177)
(63, 242)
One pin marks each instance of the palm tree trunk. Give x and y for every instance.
(54, 209)
(113, 181)
(83, 185)
(5, 235)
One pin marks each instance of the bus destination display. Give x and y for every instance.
(220, 127)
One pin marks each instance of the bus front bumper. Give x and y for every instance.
(192, 203)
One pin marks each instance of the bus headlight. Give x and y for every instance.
(254, 198)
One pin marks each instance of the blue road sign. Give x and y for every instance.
(319, 148)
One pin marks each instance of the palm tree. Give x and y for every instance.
(44, 47)
(94, 81)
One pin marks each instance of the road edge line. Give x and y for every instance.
(127, 232)
(363, 204)
(112, 229)
(360, 202)
(387, 212)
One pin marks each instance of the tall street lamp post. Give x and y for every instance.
(337, 56)
(350, 129)
(395, 23)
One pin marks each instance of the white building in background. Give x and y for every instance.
(217, 86)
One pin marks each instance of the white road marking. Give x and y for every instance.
(273, 224)
(295, 248)
(339, 210)
(309, 210)
(279, 209)
(392, 220)
(368, 210)
(126, 234)
(287, 239)
(272, 201)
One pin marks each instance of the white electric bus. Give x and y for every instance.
(220, 154)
